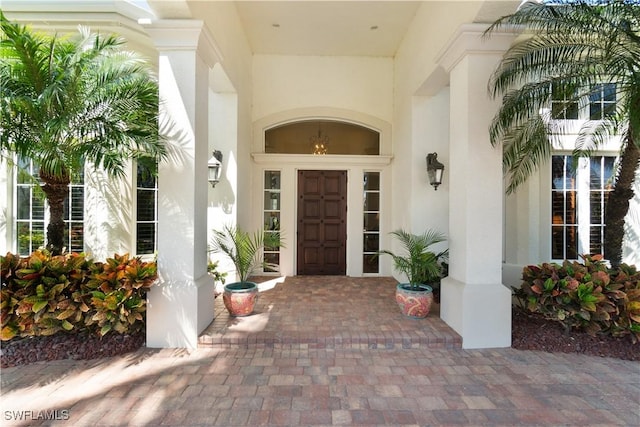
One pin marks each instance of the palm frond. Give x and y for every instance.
(81, 99)
(416, 261)
(244, 248)
(575, 45)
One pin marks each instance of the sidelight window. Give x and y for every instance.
(371, 220)
(272, 217)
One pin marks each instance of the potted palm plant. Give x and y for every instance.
(421, 266)
(244, 249)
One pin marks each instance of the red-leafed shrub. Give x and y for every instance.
(44, 294)
(588, 296)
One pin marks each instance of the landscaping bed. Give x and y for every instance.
(23, 351)
(532, 332)
(529, 332)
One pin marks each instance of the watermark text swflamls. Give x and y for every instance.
(48, 415)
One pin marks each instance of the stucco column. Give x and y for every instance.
(181, 306)
(474, 301)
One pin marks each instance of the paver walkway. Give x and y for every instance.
(327, 312)
(309, 384)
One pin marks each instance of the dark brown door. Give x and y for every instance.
(322, 228)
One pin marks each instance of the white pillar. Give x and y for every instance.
(474, 301)
(181, 306)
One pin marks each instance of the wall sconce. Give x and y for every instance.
(435, 169)
(215, 168)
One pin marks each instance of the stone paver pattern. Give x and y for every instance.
(328, 312)
(315, 387)
(283, 382)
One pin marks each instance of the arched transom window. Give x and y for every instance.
(322, 137)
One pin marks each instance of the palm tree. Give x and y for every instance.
(68, 101)
(572, 48)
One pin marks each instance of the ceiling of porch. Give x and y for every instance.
(336, 28)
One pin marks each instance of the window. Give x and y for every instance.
(322, 137)
(32, 211)
(146, 210)
(74, 217)
(563, 107)
(371, 220)
(272, 217)
(602, 101)
(578, 200)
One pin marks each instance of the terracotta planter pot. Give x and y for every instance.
(240, 298)
(414, 303)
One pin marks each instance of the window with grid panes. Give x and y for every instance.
(32, 211)
(371, 222)
(563, 106)
(271, 212)
(578, 199)
(146, 211)
(602, 101)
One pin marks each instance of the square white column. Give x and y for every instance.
(181, 305)
(474, 302)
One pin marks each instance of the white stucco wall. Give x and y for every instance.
(230, 130)
(354, 89)
(109, 213)
(430, 133)
(360, 84)
(421, 118)
(235, 60)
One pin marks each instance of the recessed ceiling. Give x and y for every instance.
(328, 27)
(338, 28)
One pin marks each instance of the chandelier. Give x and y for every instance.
(319, 143)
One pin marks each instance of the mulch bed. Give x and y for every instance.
(23, 351)
(529, 332)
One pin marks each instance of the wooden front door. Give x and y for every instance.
(322, 224)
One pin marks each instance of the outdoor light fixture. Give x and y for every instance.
(215, 168)
(435, 169)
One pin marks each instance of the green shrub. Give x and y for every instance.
(587, 296)
(44, 294)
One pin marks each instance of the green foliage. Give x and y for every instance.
(569, 49)
(245, 249)
(71, 100)
(418, 262)
(587, 296)
(44, 294)
(218, 276)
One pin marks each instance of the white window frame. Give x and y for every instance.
(139, 222)
(365, 233)
(583, 205)
(69, 220)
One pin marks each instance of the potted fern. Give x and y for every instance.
(244, 249)
(422, 267)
